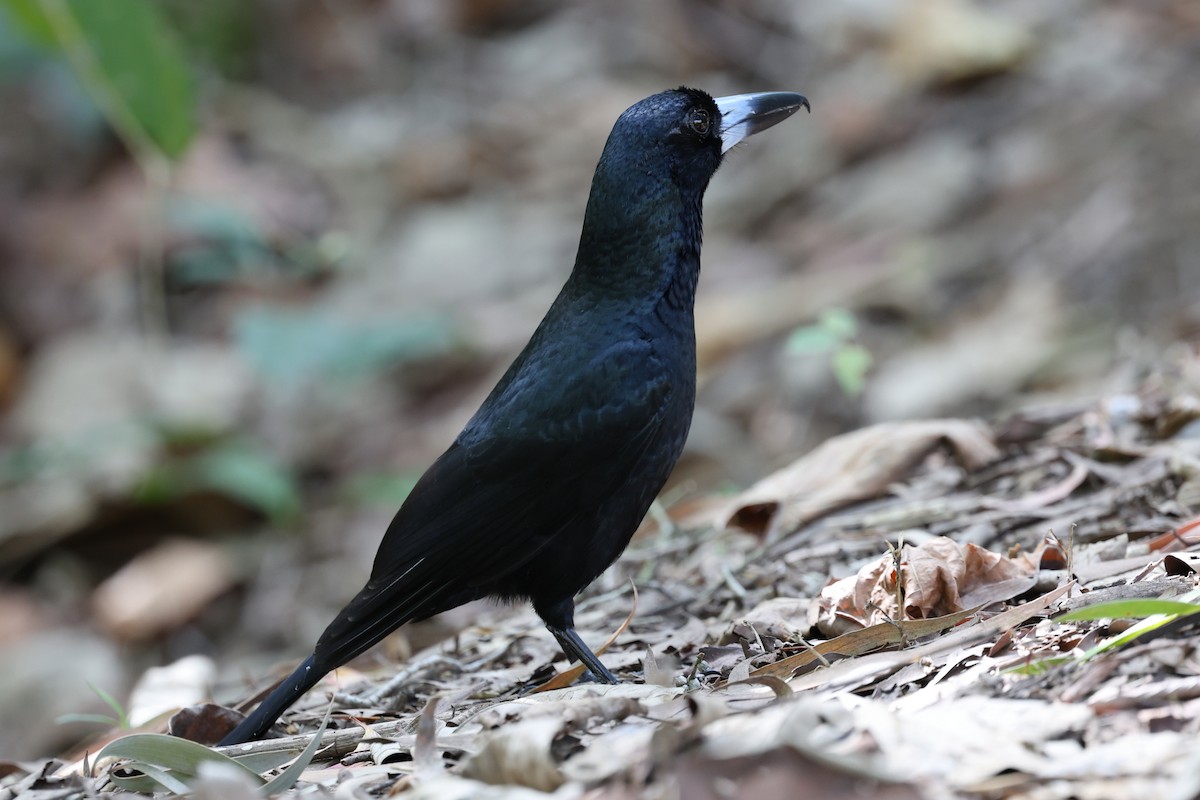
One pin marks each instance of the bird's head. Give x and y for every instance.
(643, 222)
(687, 132)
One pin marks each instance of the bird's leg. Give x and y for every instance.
(559, 617)
(576, 650)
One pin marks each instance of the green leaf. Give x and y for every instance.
(130, 62)
(266, 760)
(249, 475)
(27, 15)
(388, 489)
(1155, 613)
(223, 34)
(1039, 667)
(287, 779)
(113, 703)
(839, 322)
(223, 244)
(811, 339)
(179, 757)
(1130, 609)
(850, 366)
(295, 347)
(149, 775)
(233, 468)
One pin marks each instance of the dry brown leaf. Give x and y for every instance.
(10, 367)
(1045, 497)
(851, 467)
(863, 641)
(1181, 563)
(206, 723)
(854, 672)
(940, 577)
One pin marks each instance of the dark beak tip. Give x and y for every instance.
(798, 103)
(787, 104)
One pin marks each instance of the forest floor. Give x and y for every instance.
(948, 334)
(940, 668)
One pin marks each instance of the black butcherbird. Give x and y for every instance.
(545, 486)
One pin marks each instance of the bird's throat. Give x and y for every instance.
(646, 257)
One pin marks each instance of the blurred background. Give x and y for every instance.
(260, 261)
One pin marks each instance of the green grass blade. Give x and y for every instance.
(1131, 609)
(287, 779)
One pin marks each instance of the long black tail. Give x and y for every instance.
(278, 701)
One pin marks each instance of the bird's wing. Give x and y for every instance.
(536, 456)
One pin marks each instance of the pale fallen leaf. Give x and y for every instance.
(162, 588)
(519, 754)
(952, 40)
(659, 670)
(814, 727)
(1145, 691)
(427, 759)
(599, 700)
(179, 684)
(452, 787)
(780, 618)
(222, 781)
(781, 772)
(851, 467)
(972, 738)
(574, 713)
(612, 752)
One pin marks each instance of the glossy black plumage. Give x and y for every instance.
(544, 487)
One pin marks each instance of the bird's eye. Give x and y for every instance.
(699, 121)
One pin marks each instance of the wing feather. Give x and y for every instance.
(511, 482)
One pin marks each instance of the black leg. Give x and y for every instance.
(576, 650)
(559, 616)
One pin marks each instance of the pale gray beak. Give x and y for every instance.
(744, 115)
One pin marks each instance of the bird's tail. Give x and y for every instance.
(286, 693)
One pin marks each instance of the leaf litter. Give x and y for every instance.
(897, 628)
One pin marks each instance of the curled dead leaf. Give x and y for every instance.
(938, 577)
(851, 467)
